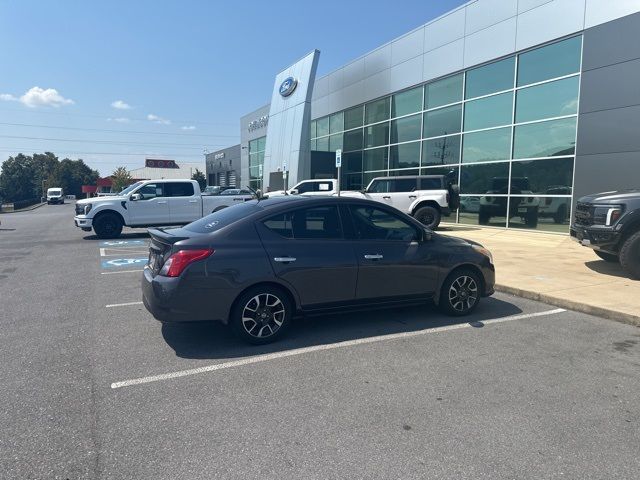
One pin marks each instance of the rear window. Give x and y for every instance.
(223, 218)
(431, 184)
(178, 189)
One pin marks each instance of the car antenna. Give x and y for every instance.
(255, 192)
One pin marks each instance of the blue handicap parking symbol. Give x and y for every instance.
(123, 262)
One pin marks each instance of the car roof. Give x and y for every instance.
(408, 177)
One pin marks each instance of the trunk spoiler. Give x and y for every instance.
(160, 235)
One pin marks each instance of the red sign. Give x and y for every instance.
(154, 163)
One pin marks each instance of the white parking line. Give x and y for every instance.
(122, 271)
(300, 351)
(123, 304)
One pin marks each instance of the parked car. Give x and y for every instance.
(470, 204)
(494, 205)
(324, 186)
(214, 190)
(556, 208)
(255, 265)
(55, 195)
(150, 203)
(427, 198)
(609, 223)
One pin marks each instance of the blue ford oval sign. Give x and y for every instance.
(288, 86)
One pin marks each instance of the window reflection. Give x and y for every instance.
(443, 92)
(441, 151)
(545, 139)
(491, 78)
(442, 121)
(489, 145)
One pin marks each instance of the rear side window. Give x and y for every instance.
(307, 223)
(179, 189)
(404, 185)
(431, 184)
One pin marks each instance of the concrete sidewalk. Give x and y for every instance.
(554, 269)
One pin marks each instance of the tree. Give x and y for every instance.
(70, 175)
(121, 178)
(17, 179)
(44, 166)
(200, 178)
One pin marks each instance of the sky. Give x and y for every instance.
(116, 81)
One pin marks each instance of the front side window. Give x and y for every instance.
(305, 187)
(151, 190)
(372, 223)
(179, 189)
(380, 186)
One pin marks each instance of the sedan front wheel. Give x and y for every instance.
(460, 293)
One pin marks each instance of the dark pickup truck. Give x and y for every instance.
(609, 223)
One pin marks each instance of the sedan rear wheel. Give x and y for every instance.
(460, 293)
(261, 315)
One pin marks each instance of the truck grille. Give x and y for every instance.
(584, 214)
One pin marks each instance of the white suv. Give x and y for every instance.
(427, 198)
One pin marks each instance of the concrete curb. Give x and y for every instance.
(571, 305)
(28, 209)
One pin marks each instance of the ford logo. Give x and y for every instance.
(288, 86)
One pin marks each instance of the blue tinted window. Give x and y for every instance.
(555, 60)
(443, 92)
(545, 139)
(488, 145)
(553, 99)
(406, 102)
(442, 121)
(406, 129)
(490, 78)
(488, 112)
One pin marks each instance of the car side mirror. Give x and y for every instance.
(293, 191)
(427, 235)
(363, 190)
(135, 197)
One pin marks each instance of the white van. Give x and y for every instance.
(55, 195)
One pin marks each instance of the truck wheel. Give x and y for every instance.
(483, 217)
(607, 257)
(107, 225)
(531, 219)
(428, 216)
(630, 255)
(561, 215)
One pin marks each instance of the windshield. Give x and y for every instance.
(54, 191)
(129, 189)
(223, 217)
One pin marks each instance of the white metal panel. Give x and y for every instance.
(524, 5)
(406, 74)
(549, 21)
(444, 30)
(353, 72)
(377, 85)
(484, 13)
(335, 80)
(377, 60)
(321, 87)
(489, 43)
(443, 60)
(409, 46)
(601, 11)
(320, 107)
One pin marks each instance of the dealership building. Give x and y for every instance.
(522, 103)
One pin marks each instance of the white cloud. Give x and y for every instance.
(7, 97)
(156, 119)
(121, 105)
(187, 127)
(39, 97)
(119, 120)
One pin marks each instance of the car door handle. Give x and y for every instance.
(238, 199)
(284, 259)
(193, 201)
(386, 197)
(412, 196)
(377, 256)
(161, 202)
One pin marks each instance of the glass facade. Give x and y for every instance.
(256, 161)
(504, 132)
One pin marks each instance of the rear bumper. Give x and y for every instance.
(174, 300)
(600, 238)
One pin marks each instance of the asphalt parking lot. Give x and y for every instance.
(93, 387)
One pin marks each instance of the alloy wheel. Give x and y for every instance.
(263, 315)
(463, 293)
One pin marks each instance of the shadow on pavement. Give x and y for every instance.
(215, 340)
(123, 236)
(607, 268)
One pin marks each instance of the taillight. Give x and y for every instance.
(180, 260)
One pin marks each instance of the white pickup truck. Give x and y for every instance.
(151, 203)
(323, 186)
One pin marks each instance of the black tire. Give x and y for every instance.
(460, 293)
(483, 217)
(531, 218)
(561, 215)
(270, 319)
(630, 255)
(454, 197)
(108, 225)
(428, 216)
(607, 257)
